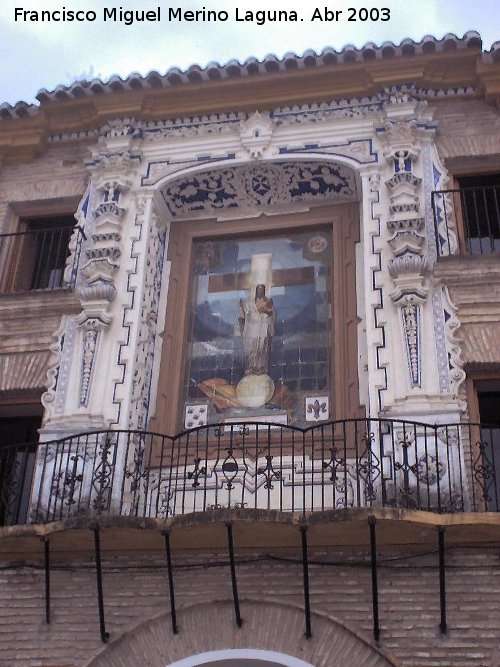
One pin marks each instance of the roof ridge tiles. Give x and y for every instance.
(349, 53)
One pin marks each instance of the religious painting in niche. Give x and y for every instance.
(260, 334)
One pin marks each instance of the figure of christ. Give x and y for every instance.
(257, 324)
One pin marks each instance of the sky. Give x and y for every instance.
(36, 54)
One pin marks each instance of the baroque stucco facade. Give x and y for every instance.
(370, 136)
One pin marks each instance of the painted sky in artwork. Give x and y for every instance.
(36, 55)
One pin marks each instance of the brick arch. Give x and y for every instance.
(268, 626)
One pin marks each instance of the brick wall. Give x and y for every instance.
(466, 127)
(271, 595)
(59, 173)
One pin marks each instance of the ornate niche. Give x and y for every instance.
(217, 365)
(230, 239)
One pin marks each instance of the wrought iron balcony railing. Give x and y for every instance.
(44, 258)
(467, 221)
(338, 465)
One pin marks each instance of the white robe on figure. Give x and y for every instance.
(258, 331)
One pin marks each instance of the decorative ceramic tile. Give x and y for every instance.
(195, 415)
(317, 408)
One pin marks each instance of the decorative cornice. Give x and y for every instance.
(481, 270)
(432, 64)
(191, 126)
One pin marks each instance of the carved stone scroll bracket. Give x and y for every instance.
(455, 362)
(92, 324)
(74, 248)
(445, 216)
(56, 349)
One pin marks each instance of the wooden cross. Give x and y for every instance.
(260, 273)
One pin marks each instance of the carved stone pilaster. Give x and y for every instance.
(111, 167)
(405, 124)
(142, 312)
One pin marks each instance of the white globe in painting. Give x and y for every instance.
(254, 391)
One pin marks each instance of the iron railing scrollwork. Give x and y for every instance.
(358, 463)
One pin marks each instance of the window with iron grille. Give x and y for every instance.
(480, 211)
(467, 218)
(34, 257)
